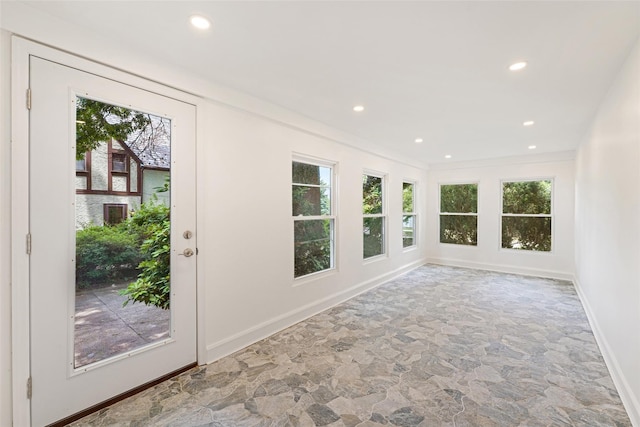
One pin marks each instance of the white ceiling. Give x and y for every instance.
(434, 70)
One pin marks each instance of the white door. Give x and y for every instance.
(85, 346)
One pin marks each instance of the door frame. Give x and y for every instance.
(21, 50)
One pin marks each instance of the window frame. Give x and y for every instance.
(384, 214)
(124, 209)
(309, 160)
(85, 161)
(550, 215)
(126, 162)
(413, 214)
(470, 214)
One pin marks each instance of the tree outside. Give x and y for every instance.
(458, 214)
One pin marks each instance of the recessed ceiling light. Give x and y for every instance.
(517, 66)
(200, 22)
(532, 147)
(448, 156)
(358, 108)
(418, 140)
(528, 123)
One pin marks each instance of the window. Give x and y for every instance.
(313, 217)
(373, 227)
(81, 164)
(408, 215)
(114, 213)
(526, 215)
(118, 162)
(459, 214)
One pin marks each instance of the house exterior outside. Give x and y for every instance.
(115, 178)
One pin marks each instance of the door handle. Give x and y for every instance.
(187, 252)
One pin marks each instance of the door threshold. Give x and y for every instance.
(95, 408)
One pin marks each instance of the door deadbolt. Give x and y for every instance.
(187, 234)
(187, 252)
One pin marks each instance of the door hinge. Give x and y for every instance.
(28, 243)
(29, 99)
(29, 388)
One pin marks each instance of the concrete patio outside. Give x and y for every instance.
(104, 328)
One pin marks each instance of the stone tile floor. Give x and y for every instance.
(439, 346)
(104, 328)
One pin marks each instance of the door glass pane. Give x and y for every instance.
(122, 274)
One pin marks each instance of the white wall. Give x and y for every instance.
(608, 230)
(488, 254)
(247, 251)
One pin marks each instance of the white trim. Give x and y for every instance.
(502, 268)
(256, 333)
(630, 401)
(201, 225)
(20, 325)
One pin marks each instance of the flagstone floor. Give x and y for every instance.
(439, 346)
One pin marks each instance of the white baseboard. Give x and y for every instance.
(256, 333)
(513, 269)
(628, 397)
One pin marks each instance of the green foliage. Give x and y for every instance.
(526, 197)
(459, 198)
(371, 194)
(97, 122)
(153, 286)
(459, 229)
(528, 233)
(373, 236)
(408, 205)
(305, 173)
(311, 195)
(312, 249)
(106, 253)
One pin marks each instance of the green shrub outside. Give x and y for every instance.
(106, 254)
(153, 286)
(137, 247)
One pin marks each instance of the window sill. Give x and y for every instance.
(410, 248)
(526, 251)
(457, 245)
(303, 280)
(374, 259)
